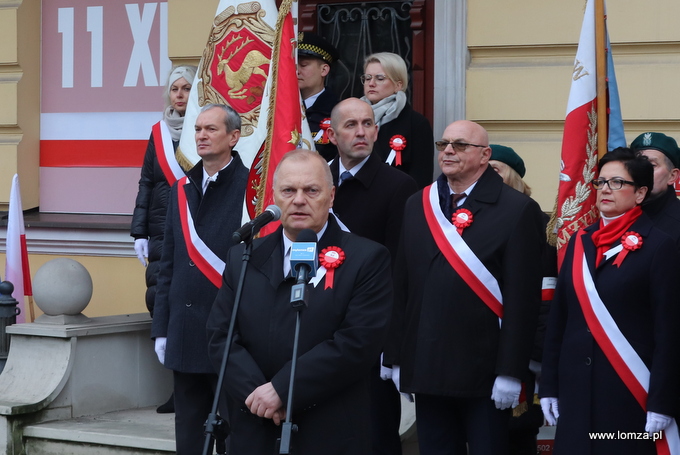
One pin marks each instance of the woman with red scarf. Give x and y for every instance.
(610, 361)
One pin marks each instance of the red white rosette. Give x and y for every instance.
(398, 143)
(630, 241)
(322, 136)
(462, 218)
(331, 258)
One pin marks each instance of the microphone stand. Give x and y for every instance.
(298, 300)
(216, 428)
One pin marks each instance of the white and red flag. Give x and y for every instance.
(575, 206)
(287, 128)
(16, 263)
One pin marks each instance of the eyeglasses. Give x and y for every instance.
(457, 145)
(613, 184)
(379, 78)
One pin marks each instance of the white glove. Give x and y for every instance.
(506, 391)
(550, 410)
(142, 250)
(656, 422)
(385, 372)
(159, 347)
(395, 378)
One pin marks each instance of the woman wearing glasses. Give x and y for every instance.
(404, 135)
(610, 361)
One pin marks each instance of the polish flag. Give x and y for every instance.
(575, 207)
(16, 266)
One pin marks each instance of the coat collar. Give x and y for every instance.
(267, 254)
(365, 175)
(655, 206)
(486, 191)
(195, 174)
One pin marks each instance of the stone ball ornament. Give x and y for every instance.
(62, 286)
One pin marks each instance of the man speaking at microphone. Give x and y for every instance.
(342, 328)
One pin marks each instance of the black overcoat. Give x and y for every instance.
(642, 297)
(341, 334)
(148, 217)
(418, 156)
(184, 295)
(372, 203)
(445, 338)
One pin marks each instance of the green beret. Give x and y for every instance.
(313, 45)
(658, 141)
(508, 156)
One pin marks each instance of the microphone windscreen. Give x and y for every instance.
(275, 210)
(306, 235)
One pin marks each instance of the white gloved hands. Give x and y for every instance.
(506, 392)
(142, 250)
(396, 371)
(656, 422)
(550, 410)
(159, 347)
(385, 373)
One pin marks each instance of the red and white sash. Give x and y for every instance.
(165, 153)
(207, 262)
(459, 255)
(621, 355)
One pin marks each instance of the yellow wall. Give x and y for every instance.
(20, 95)
(117, 283)
(521, 61)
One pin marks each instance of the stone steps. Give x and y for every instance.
(130, 432)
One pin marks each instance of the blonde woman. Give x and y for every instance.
(404, 136)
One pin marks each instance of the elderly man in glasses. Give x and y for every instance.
(468, 289)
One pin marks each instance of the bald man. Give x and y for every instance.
(467, 293)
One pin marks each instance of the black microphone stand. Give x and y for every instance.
(216, 428)
(298, 300)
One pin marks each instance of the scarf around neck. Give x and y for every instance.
(607, 235)
(174, 122)
(387, 109)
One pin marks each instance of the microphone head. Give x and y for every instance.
(303, 253)
(305, 235)
(274, 210)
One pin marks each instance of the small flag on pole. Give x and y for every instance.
(17, 270)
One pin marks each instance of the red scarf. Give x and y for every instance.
(607, 235)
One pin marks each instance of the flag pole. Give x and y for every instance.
(601, 60)
(30, 308)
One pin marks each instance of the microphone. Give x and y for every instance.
(252, 227)
(304, 259)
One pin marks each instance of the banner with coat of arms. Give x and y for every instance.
(233, 70)
(236, 69)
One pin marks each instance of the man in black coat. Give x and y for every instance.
(204, 209)
(315, 57)
(342, 328)
(370, 201)
(468, 290)
(663, 206)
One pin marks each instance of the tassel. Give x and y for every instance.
(520, 409)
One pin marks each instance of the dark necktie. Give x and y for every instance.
(455, 198)
(346, 175)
